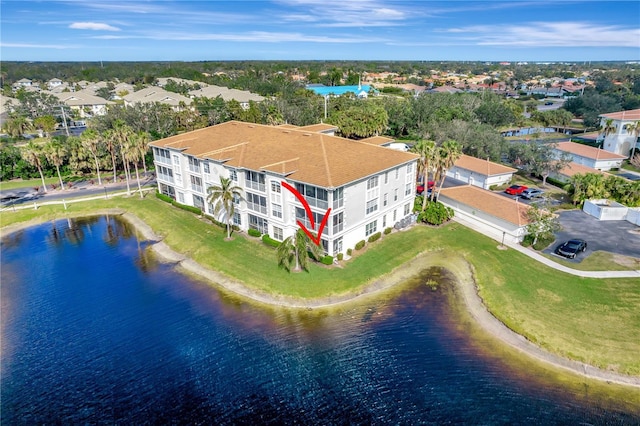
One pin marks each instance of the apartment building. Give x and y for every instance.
(362, 188)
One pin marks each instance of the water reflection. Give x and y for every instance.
(99, 332)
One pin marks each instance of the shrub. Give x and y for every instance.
(164, 198)
(186, 207)
(269, 241)
(436, 213)
(327, 260)
(340, 256)
(360, 244)
(556, 182)
(375, 237)
(254, 232)
(349, 251)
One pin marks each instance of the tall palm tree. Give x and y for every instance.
(222, 198)
(91, 142)
(122, 134)
(294, 252)
(17, 126)
(32, 154)
(450, 151)
(56, 152)
(426, 149)
(142, 145)
(634, 130)
(607, 128)
(111, 145)
(132, 153)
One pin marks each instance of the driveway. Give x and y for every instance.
(614, 236)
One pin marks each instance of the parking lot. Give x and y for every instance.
(614, 236)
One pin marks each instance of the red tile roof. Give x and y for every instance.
(483, 167)
(588, 151)
(489, 202)
(633, 114)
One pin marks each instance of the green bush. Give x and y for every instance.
(340, 256)
(387, 231)
(187, 208)
(360, 244)
(254, 232)
(270, 241)
(556, 182)
(527, 240)
(327, 260)
(349, 251)
(375, 237)
(164, 198)
(436, 213)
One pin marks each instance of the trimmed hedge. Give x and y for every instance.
(360, 244)
(164, 198)
(270, 241)
(375, 237)
(340, 256)
(327, 260)
(349, 251)
(187, 208)
(387, 231)
(254, 232)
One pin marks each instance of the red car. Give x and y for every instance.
(420, 188)
(515, 189)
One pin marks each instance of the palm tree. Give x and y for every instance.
(294, 251)
(91, 142)
(634, 130)
(449, 153)
(17, 126)
(110, 144)
(56, 153)
(607, 128)
(223, 198)
(32, 154)
(426, 149)
(122, 134)
(132, 153)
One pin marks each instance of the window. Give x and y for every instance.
(194, 164)
(259, 224)
(275, 187)
(196, 183)
(255, 180)
(236, 219)
(408, 188)
(395, 215)
(397, 173)
(256, 203)
(384, 221)
(181, 197)
(338, 197)
(176, 160)
(386, 178)
(167, 190)
(385, 199)
(276, 210)
(316, 197)
(178, 178)
(165, 173)
(409, 168)
(407, 209)
(205, 167)
(371, 227)
(301, 215)
(338, 222)
(372, 182)
(372, 205)
(233, 175)
(395, 194)
(198, 202)
(277, 234)
(162, 155)
(337, 246)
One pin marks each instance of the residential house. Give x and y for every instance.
(85, 102)
(589, 156)
(156, 94)
(212, 92)
(480, 173)
(54, 82)
(622, 138)
(572, 169)
(361, 187)
(502, 218)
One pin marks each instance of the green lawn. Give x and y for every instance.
(590, 320)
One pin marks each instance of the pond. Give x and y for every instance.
(95, 331)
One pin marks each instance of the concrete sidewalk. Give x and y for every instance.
(550, 263)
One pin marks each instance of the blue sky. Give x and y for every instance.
(209, 30)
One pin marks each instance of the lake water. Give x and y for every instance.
(94, 331)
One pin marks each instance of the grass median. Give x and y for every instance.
(596, 321)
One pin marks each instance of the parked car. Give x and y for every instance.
(530, 193)
(571, 248)
(420, 188)
(516, 189)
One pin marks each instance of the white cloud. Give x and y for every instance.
(549, 34)
(39, 46)
(95, 26)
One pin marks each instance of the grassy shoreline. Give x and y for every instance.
(595, 321)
